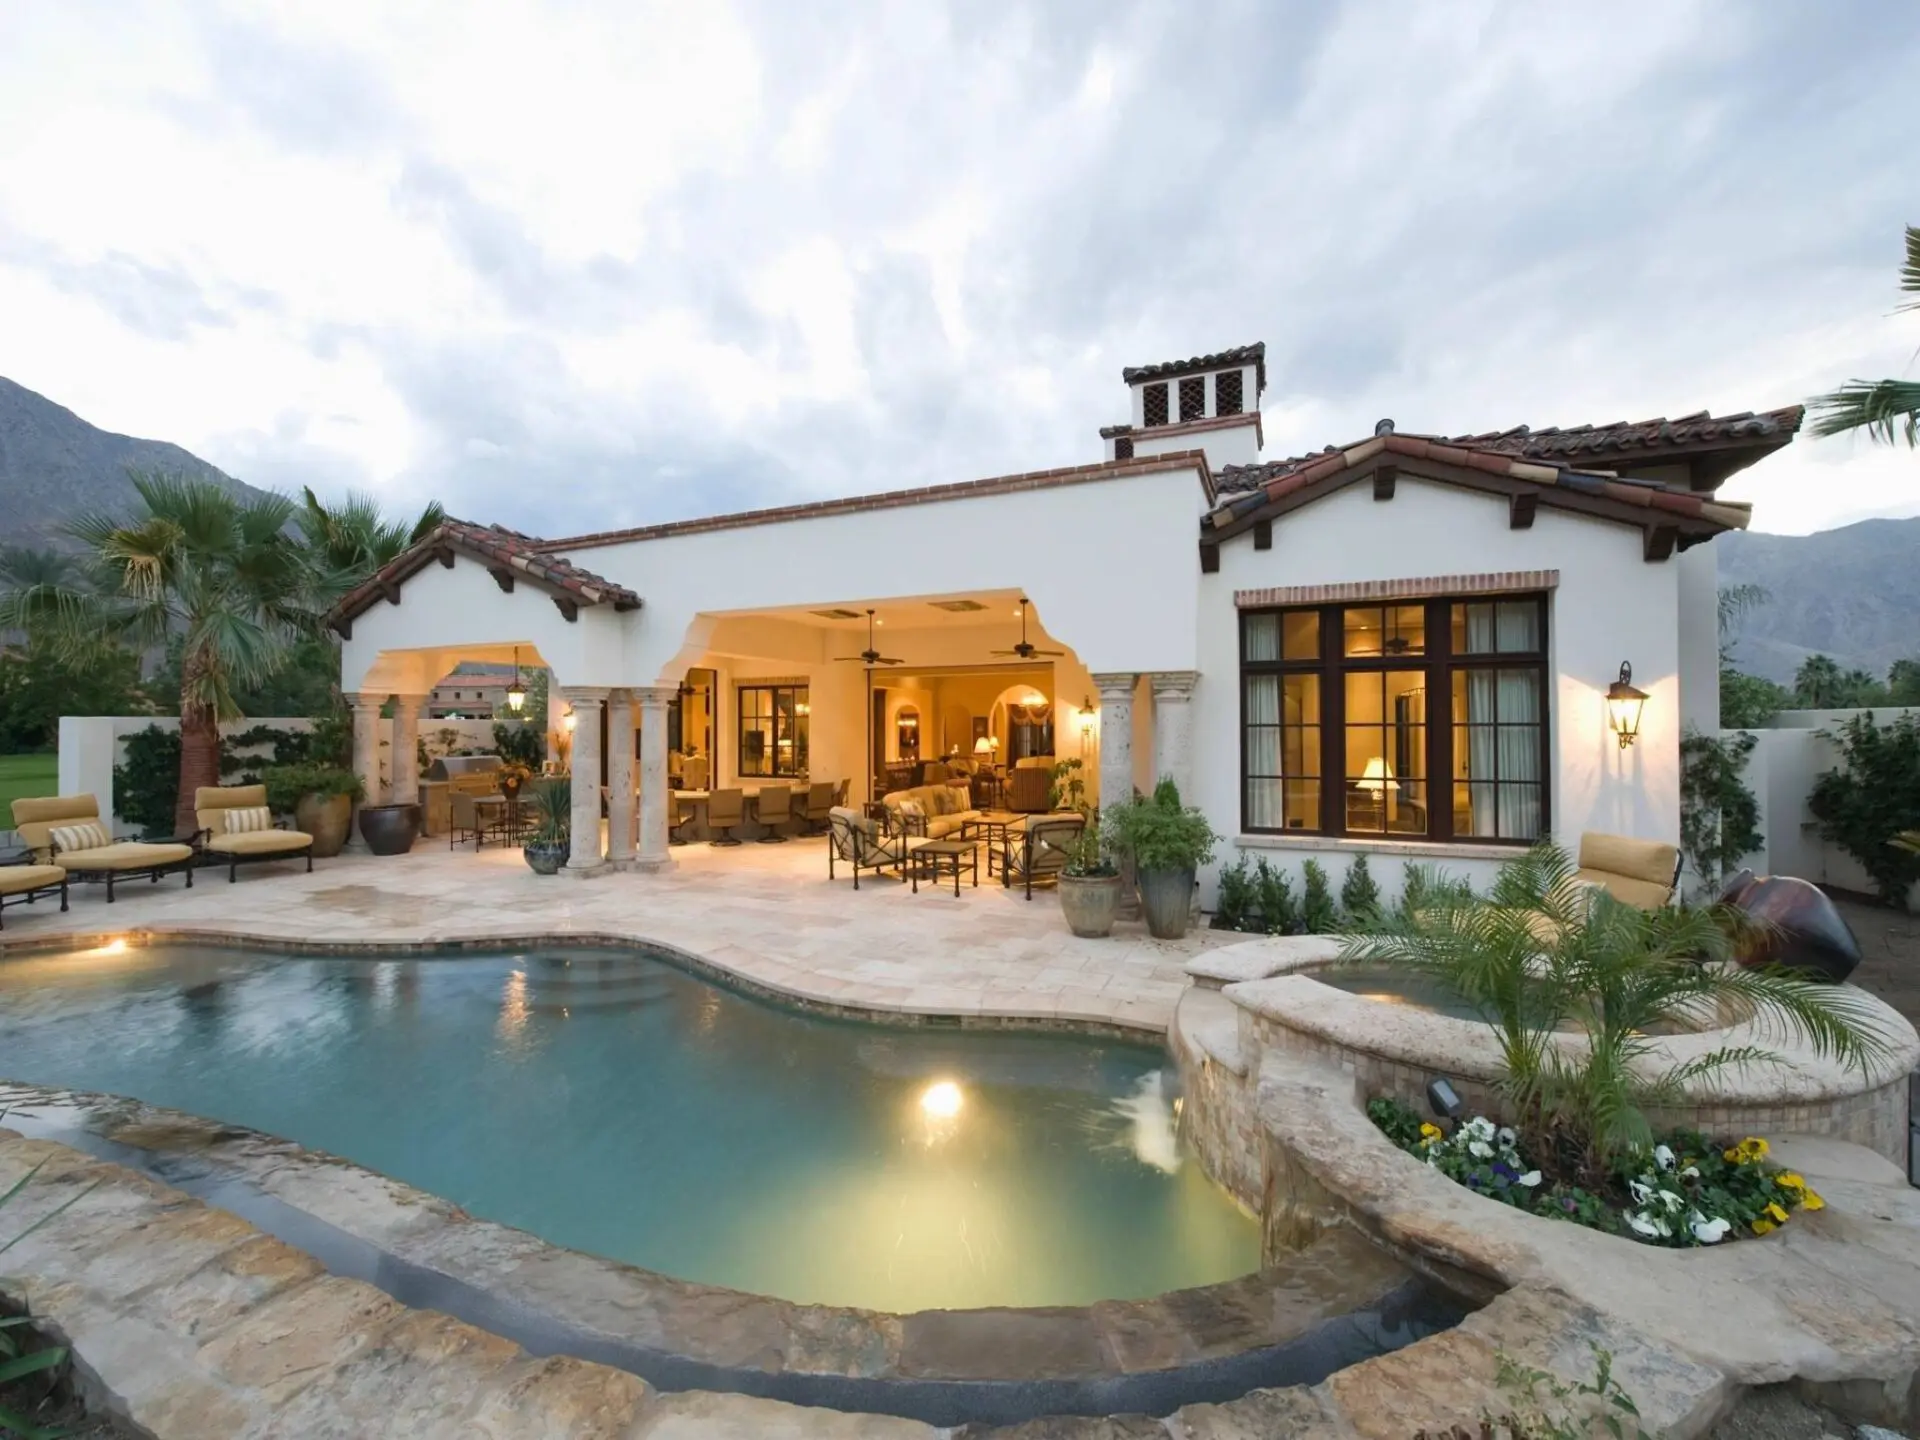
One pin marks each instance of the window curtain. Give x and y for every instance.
(1263, 751)
(1519, 701)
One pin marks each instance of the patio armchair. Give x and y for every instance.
(1641, 873)
(1037, 852)
(236, 826)
(1029, 788)
(726, 812)
(865, 843)
(22, 882)
(773, 807)
(66, 830)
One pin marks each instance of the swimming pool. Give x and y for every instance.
(614, 1103)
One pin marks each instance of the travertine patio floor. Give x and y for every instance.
(767, 913)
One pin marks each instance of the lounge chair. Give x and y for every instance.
(1030, 787)
(236, 826)
(1037, 851)
(865, 844)
(22, 883)
(66, 830)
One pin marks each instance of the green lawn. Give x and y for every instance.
(25, 775)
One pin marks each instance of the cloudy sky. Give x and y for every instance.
(575, 265)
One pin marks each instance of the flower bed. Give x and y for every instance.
(1682, 1192)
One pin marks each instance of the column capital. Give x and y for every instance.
(656, 696)
(1115, 685)
(586, 694)
(1174, 684)
(363, 699)
(408, 704)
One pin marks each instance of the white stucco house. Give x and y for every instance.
(1400, 648)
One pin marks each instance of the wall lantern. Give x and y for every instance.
(568, 720)
(1086, 723)
(516, 692)
(1624, 703)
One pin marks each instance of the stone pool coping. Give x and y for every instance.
(1830, 1302)
(1443, 1044)
(194, 1325)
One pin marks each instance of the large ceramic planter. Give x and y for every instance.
(545, 859)
(1090, 903)
(389, 829)
(1166, 896)
(326, 818)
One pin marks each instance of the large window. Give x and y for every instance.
(773, 730)
(1420, 719)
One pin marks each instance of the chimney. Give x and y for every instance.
(1210, 403)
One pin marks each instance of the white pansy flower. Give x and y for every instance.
(1671, 1200)
(1641, 1193)
(1642, 1224)
(1479, 1149)
(1530, 1179)
(1663, 1157)
(1507, 1137)
(1692, 1172)
(1709, 1232)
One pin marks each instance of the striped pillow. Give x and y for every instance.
(79, 837)
(243, 818)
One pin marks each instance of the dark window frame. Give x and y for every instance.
(1440, 665)
(798, 726)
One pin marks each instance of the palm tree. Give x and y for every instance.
(1543, 960)
(1819, 682)
(353, 539)
(224, 577)
(1888, 410)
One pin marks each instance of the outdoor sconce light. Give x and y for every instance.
(516, 692)
(1444, 1099)
(568, 720)
(1086, 723)
(1624, 703)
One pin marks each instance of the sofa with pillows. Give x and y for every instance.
(933, 811)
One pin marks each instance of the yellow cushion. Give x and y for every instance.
(260, 842)
(1641, 894)
(14, 879)
(35, 817)
(1634, 872)
(127, 855)
(86, 835)
(211, 802)
(243, 818)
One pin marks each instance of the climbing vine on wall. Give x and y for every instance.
(1719, 816)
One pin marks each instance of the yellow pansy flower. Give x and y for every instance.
(1787, 1180)
(1763, 1227)
(1811, 1201)
(1779, 1215)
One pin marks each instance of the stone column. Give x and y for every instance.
(406, 747)
(586, 858)
(1116, 738)
(619, 780)
(366, 757)
(1173, 729)
(655, 797)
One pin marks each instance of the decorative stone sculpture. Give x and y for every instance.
(1802, 930)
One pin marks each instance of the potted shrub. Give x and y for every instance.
(1168, 843)
(320, 799)
(1089, 886)
(547, 847)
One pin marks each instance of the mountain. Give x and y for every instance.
(1852, 593)
(55, 467)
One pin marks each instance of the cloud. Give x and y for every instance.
(601, 264)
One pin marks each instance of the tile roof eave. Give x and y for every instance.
(1195, 460)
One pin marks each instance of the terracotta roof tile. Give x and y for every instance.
(490, 544)
(1278, 482)
(1254, 355)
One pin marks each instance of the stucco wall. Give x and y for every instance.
(1610, 605)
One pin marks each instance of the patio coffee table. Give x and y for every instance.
(992, 826)
(926, 862)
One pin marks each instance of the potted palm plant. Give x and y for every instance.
(1089, 886)
(319, 797)
(547, 847)
(1168, 843)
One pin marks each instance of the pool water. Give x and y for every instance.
(613, 1103)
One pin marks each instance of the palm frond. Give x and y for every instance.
(1910, 271)
(1888, 410)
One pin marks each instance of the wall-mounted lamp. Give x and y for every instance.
(1086, 723)
(568, 720)
(516, 692)
(1624, 703)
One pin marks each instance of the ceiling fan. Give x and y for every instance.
(1025, 650)
(871, 656)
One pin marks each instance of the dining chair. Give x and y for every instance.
(684, 812)
(726, 812)
(773, 808)
(818, 806)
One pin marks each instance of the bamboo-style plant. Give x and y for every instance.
(1574, 983)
